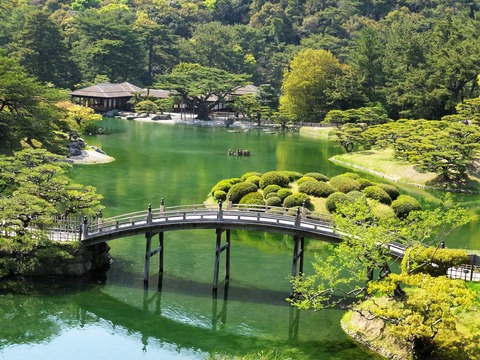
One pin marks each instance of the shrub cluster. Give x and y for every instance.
(377, 193)
(317, 176)
(316, 188)
(224, 185)
(254, 179)
(334, 200)
(344, 184)
(405, 204)
(274, 177)
(271, 189)
(250, 173)
(239, 190)
(273, 201)
(220, 195)
(305, 178)
(391, 190)
(296, 199)
(283, 193)
(292, 175)
(253, 198)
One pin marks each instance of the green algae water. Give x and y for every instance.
(112, 315)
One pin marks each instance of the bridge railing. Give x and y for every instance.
(201, 212)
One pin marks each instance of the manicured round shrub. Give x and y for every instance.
(377, 193)
(382, 211)
(238, 191)
(351, 175)
(220, 195)
(391, 190)
(344, 184)
(253, 198)
(273, 177)
(355, 196)
(270, 189)
(334, 200)
(254, 179)
(364, 183)
(271, 194)
(273, 201)
(316, 188)
(292, 175)
(403, 205)
(317, 176)
(251, 173)
(296, 199)
(305, 178)
(225, 185)
(283, 193)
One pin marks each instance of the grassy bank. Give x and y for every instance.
(317, 132)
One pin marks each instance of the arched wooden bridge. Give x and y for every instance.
(295, 222)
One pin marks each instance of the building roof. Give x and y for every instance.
(247, 89)
(156, 93)
(108, 90)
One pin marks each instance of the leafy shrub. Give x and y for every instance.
(382, 211)
(317, 176)
(273, 201)
(316, 188)
(364, 183)
(225, 184)
(220, 195)
(351, 175)
(431, 260)
(305, 178)
(254, 179)
(271, 189)
(254, 198)
(403, 205)
(334, 199)
(292, 175)
(239, 190)
(355, 196)
(251, 173)
(90, 128)
(377, 193)
(296, 199)
(283, 193)
(273, 177)
(391, 190)
(344, 184)
(271, 194)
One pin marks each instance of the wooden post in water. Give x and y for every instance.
(148, 236)
(218, 250)
(100, 220)
(160, 261)
(298, 256)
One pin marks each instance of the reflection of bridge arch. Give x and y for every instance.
(260, 218)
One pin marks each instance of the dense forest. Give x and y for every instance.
(416, 59)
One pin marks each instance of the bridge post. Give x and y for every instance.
(298, 254)
(229, 203)
(84, 229)
(160, 261)
(217, 258)
(220, 211)
(162, 206)
(148, 236)
(100, 220)
(297, 218)
(304, 209)
(149, 215)
(227, 257)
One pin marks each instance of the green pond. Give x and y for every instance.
(112, 315)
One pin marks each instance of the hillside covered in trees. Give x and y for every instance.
(416, 59)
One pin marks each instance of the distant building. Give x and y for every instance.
(106, 96)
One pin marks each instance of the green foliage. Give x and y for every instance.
(432, 260)
(296, 199)
(283, 193)
(364, 183)
(253, 198)
(377, 193)
(248, 174)
(316, 188)
(146, 106)
(273, 200)
(239, 190)
(220, 195)
(381, 211)
(90, 128)
(405, 204)
(344, 184)
(391, 190)
(273, 178)
(292, 175)
(366, 115)
(317, 176)
(224, 185)
(333, 200)
(271, 189)
(305, 178)
(254, 179)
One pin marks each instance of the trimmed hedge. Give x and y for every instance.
(292, 175)
(305, 178)
(254, 198)
(274, 177)
(364, 183)
(317, 176)
(431, 260)
(354, 196)
(351, 175)
(403, 205)
(220, 195)
(225, 185)
(344, 184)
(296, 199)
(391, 190)
(254, 179)
(238, 191)
(271, 189)
(273, 201)
(334, 199)
(251, 173)
(382, 211)
(377, 193)
(283, 193)
(316, 188)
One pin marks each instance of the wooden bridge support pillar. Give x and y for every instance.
(149, 254)
(298, 257)
(218, 250)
